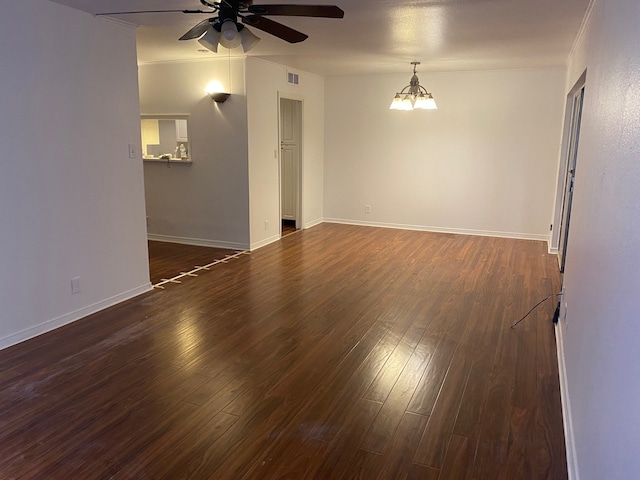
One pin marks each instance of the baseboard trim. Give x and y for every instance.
(551, 249)
(200, 242)
(70, 317)
(459, 231)
(313, 223)
(265, 242)
(570, 443)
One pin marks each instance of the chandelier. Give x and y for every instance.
(413, 95)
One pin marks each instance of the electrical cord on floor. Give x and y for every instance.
(555, 315)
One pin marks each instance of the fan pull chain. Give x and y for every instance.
(229, 64)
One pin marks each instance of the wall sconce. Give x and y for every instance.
(214, 90)
(219, 97)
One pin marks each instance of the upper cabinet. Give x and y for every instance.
(181, 130)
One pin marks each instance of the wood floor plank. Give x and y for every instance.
(429, 386)
(150, 460)
(229, 455)
(403, 445)
(365, 465)
(106, 395)
(345, 446)
(302, 465)
(333, 404)
(550, 460)
(386, 379)
(94, 444)
(335, 399)
(338, 352)
(382, 433)
(521, 438)
(469, 419)
(458, 463)
(524, 392)
(420, 472)
(494, 436)
(189, 456)
(433, 446)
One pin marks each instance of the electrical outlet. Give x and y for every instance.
(367, 209)
(75, 285)
(266, 224)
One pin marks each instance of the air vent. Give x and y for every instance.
(293, 78)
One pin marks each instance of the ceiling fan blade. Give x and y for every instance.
(198, 30)
(274, 28)
(326, 11)
(153, 11)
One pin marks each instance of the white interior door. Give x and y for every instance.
(572, 155)
(290, 134)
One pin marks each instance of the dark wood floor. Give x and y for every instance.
(340, 352)
(167, 260)
(288, 227)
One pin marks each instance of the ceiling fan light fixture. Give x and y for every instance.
(229, 36)
(210, 39)
(224, 20)
(248, 39)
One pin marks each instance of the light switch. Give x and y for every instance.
(133, 151)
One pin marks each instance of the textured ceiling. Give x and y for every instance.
(379, 36)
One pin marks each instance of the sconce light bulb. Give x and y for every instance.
(214, 87)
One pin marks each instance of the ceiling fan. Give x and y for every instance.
(224, 29)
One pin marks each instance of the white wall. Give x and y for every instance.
(485, 162)
(599, 338)
(71, 201)
(265, 83)
(206, 202)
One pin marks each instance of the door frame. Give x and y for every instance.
(567, 157)
(300, 209)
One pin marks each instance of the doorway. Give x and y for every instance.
(574, 111)
(290, 165)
